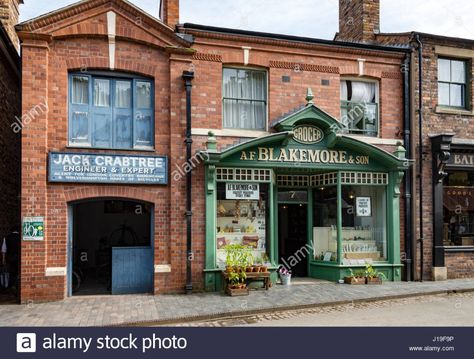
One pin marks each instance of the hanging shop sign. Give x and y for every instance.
(242, 191)
(304, 155)
(363, 207)
(307, 134)
(461, 160)
(33, 228)
(102, 168)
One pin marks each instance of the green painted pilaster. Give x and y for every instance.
(393, 225)
(211, 202)
(274, 221)
(339, 218)
(310, 226)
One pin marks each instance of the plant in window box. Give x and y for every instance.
(238, 259)
(356, 277)
(373, 276)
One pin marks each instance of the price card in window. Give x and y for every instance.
(363, 207)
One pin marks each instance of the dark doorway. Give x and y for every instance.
(293, 237)
(110, 237)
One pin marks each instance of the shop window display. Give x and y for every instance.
(242, 220)
(458, 200)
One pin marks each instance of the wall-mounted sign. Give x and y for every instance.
(363, 207)
(33, 228)
(304, 155)
(242, 191)
(103, 168)
(308, 134)
(461, 160)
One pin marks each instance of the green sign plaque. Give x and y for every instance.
(33, 228)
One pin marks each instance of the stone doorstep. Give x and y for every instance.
(245, 313)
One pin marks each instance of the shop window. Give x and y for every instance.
(110, 112)
(242, 218)
(452, 79)
(458, 209)
(359, 107)
(325, 224)
(364, 224)
(244, 99)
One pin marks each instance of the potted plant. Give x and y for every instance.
(372, 275)
(357, 277)
(285, 275)
(238, 260)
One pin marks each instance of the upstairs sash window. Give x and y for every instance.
(111, 113)
(452, 81)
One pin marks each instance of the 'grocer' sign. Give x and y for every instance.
(242, 191)
(307, 134)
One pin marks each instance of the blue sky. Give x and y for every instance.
(313, 18)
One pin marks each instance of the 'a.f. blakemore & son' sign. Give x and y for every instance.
(103, 168)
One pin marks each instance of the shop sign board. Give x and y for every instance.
(105, 168)
(242, 191)
(33, 228)
(461, 160)
(308, 134)
(363, 207)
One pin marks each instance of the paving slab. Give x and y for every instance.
(170, 309)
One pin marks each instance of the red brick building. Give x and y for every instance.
(441, 68)
(105, 166)
(9, 139)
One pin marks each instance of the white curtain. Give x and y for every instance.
(244, 99)
(80, 90)
(101, 93)
(123, 94)
(143, 95)
(358, 91)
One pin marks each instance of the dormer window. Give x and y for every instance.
(359, 107)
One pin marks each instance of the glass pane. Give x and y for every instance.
(325, 224)
(80, 127)
(143, 94)
(123, 131)
(444, 70)
(242, 222)
(344, 91)
(260, 115)
(80, 90)
(457, 95)
(101, 93)
(143, 128)
(230, 83)
(458, 71)
(443, 94)
(364, 226)
(102, 130)
(123, 94)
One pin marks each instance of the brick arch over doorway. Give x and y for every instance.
(95, 192)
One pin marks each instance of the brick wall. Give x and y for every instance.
(170, 12)
(9, 140)
(9, 15)
(460, 265)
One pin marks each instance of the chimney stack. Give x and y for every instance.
(359, 20)
(169, 12)
(9, 15)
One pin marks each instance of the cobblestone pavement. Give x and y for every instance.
(154, 310)
(443, 310)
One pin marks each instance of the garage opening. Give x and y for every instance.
(112, 251)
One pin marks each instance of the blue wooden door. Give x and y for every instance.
(132, 270)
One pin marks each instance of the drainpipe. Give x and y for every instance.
(188, 77)
(408, 176)
(420, 148)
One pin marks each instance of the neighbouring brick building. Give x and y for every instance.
(9, 139)
(444, 169)
(118, 96)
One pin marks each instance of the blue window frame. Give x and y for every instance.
(111, 112)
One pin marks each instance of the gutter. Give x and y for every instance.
(188, 77)
(308, 40)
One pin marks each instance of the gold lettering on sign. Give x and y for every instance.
(463, 159)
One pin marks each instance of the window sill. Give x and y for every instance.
(111, 149)
(454, 249)
(227, 132)
(453, 111)
(376, 140)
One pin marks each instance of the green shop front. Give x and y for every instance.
(306, 197)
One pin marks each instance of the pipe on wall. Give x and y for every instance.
(408, 176)
(188, 77)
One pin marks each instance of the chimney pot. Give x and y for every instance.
(169, 12)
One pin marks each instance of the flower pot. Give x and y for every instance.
(354, 280)
(285, 279)
(256, 268)
(237, 292)
(249, 269)
(372, 281)
(263, 269)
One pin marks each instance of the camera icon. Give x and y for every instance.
(26, 343)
